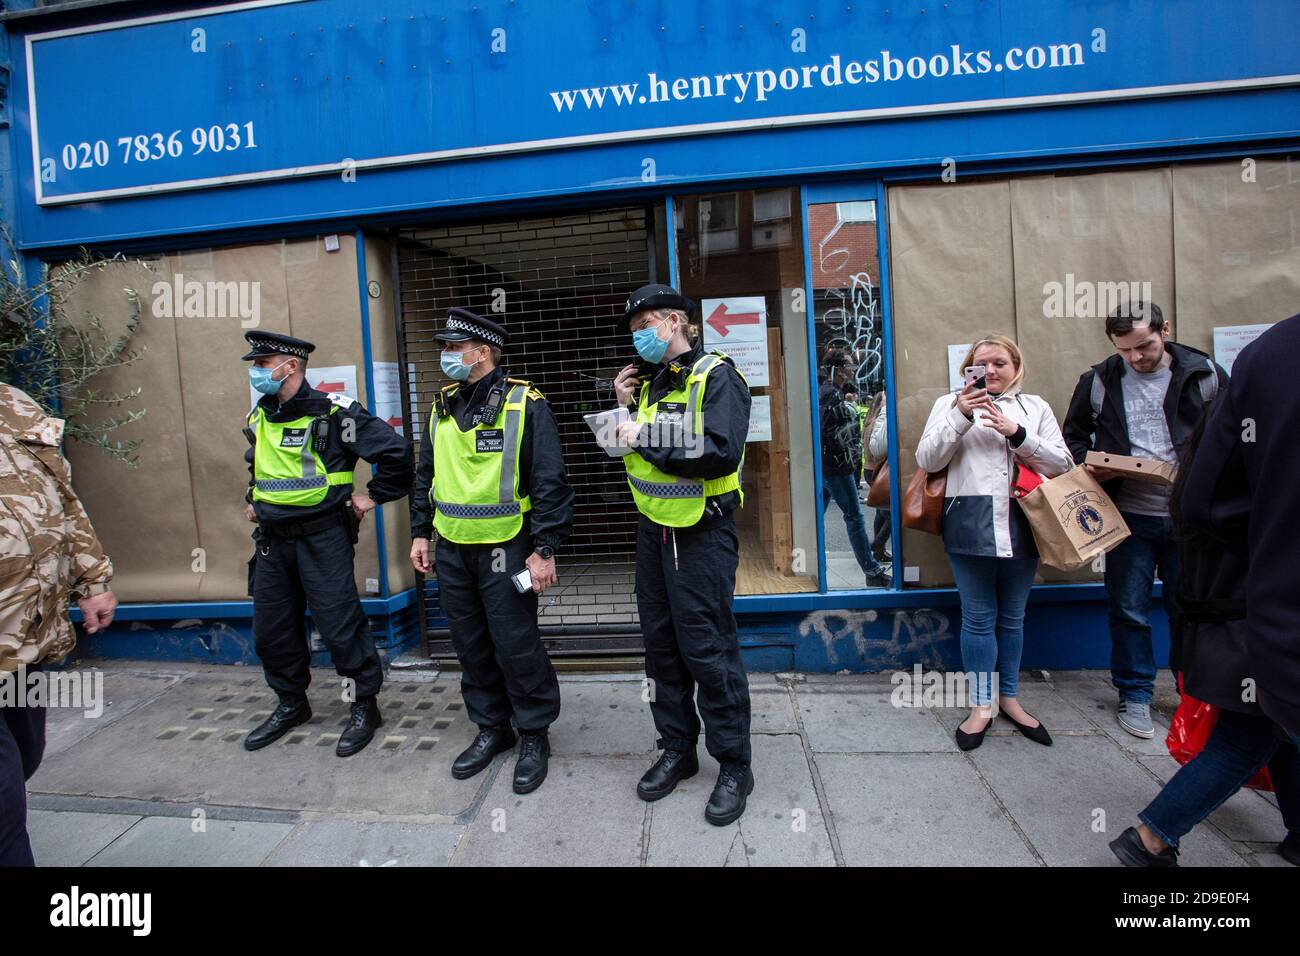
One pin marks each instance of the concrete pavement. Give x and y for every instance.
(843, 778)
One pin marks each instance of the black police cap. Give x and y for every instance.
(655, 296)
(463, 325)
(275, 343)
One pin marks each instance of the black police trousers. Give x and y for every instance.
(684, 591)
(22, 744)
(291, 575)
(505, 671)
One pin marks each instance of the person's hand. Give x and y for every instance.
(420, 555)
(360, 505)
(1102, 474)
(629, 433)
(97, 612)
(249, 513)
(971, 398)
(543, 571)
(626, 384)
(994, 419)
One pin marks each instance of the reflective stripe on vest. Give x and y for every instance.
(294, 474)
(671, 499)
(472, 506)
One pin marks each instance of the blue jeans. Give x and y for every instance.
(993, 594)
(1238, 746)
(844, 489)
(1130, 572)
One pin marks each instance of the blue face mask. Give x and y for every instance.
(648, 344)
(263, 379)
(454, 367)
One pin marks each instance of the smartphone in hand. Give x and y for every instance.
(523, 581)
(977, 375)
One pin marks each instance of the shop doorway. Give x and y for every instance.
(559, 284)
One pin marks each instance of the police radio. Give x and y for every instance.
(320, 433)
(491, 409)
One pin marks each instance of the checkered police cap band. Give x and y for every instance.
(480, 332)
(277, 346)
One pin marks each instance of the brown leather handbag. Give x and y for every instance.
(878, 493)
(923, 501)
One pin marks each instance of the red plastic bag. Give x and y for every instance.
(1190, 728)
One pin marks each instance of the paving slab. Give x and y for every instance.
(770, 708)
(860, 717)
(193, 733)
(603, 717)
(917, 810)
(350, 843)
(1098, 701)
(782, 824)
(1061, 795)
(586, 813)
(124, 691)
(172, 841)
(63, 838)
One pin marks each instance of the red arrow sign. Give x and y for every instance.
(330, 387)
(721, 320)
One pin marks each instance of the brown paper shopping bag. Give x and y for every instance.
(1073, 520)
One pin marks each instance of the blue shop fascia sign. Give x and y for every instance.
(320, 94)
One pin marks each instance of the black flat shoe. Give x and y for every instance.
(1038, 735)
(1131, 851)
(970, 741)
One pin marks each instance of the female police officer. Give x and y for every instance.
(688, 434)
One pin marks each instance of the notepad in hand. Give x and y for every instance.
(604, 425)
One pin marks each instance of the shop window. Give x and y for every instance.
(850, 392)
(718, 223)
(751, 296)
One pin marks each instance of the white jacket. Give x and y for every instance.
(978, 515)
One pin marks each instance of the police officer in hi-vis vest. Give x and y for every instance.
(491, 481)
(304, 445)
(688, 434)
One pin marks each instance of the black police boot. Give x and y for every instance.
(727, 802)
(534, 754)
(287, 715)
(672, 767)
(361, 727)
(489, 742)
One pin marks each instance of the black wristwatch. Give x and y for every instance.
(544, 551)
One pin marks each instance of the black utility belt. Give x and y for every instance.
(308, 526)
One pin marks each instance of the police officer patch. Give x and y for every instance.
(489, 439)
(293, 438)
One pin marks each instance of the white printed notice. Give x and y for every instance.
(760, 419)
(388, 394)
(738, 326)
(1229, 340)
(955, 354)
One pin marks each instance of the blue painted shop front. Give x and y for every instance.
(986, 87)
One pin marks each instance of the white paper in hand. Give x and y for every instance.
(604, 425)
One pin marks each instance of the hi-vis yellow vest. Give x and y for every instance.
(670, 499)
(286, 471)
(475, 489)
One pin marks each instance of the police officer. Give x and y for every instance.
(491, 481)
(304, 445)
(690, 412)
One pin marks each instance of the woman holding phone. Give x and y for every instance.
(981, 435)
